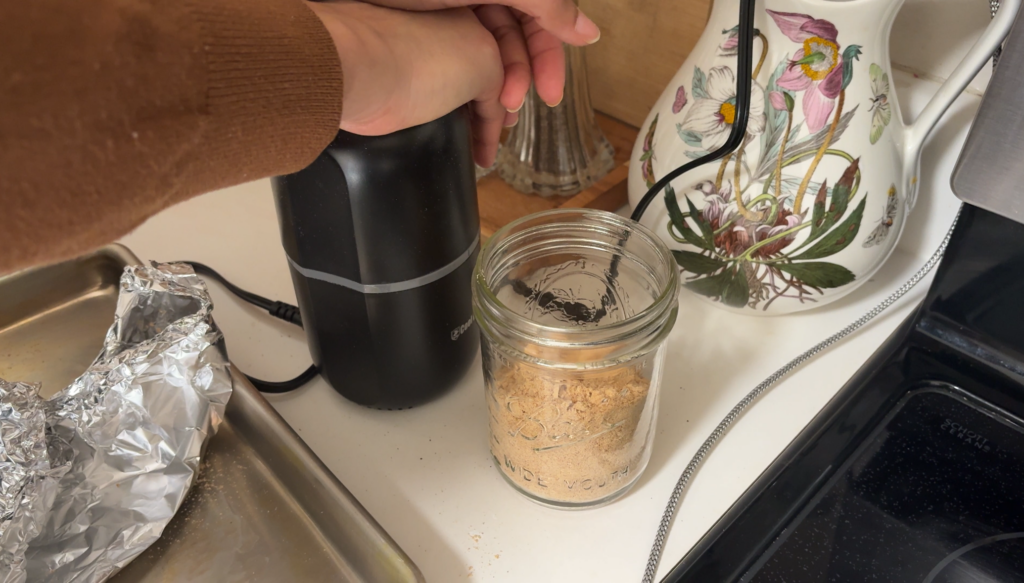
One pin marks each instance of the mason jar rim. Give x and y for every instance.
(651, 314)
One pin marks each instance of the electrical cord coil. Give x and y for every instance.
(280, 310)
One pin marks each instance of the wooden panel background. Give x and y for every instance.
(643, 43)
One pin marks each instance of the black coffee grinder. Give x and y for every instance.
(914, 472)
(381, 235)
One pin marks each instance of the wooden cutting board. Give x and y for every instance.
(501, 204)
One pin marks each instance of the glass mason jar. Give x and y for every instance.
(574, 307)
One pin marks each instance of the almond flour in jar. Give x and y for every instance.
(572, 438)
(574, 308)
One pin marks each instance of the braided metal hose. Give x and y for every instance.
(691, 468)
(993, 6)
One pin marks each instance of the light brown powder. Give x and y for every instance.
(566, 436)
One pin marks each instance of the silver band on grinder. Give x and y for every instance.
(387, 288)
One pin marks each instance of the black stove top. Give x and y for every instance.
(933, 496)
(914, 472)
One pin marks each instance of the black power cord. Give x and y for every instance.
(744, 81)
(744, 69)
(279, 310)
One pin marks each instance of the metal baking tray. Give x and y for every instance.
(264, 508)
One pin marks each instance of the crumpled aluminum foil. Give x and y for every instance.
(132, 428)
(28, 482)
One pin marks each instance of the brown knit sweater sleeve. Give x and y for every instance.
(111, 110)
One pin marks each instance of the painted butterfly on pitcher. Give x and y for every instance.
(880, 109)
(882, 230)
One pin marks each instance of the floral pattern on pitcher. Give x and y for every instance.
(647, 158)
(742, 246)
(815, 197)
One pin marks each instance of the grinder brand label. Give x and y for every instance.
(456, 333)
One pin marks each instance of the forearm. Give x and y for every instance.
(111, 110)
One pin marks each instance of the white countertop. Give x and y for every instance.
(426, 475)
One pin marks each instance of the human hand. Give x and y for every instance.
(539, 25)
(406, 68)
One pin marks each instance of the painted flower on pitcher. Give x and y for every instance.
(816, 69)
(756, 240)
(712, 115)
(785, 222)
(733, 234)
(730, 46)
(647, 157)
(717, 210)
(778, 100)
(745, 234)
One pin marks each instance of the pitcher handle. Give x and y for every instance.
(975, 59)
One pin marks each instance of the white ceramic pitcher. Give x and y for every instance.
(813, 202)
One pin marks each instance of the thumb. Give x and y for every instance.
(561, 18)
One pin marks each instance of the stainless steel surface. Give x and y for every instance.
(127, 434)
(991, 165)
(264, 508)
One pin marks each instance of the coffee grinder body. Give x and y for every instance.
(381, 235)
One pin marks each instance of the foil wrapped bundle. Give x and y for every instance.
(129, 432)
(28, 481)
